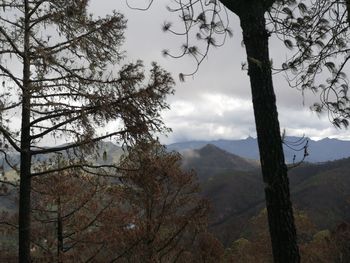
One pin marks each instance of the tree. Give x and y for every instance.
(67, 86)
(317, 33)
(205, 17)
(66, 209)
(167, 211)
(154, 214)
(274, 170)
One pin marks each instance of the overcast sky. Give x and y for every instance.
(216, 102)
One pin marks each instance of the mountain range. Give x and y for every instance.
(318, 151)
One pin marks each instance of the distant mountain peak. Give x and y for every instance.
(210, 159)
(212, 147)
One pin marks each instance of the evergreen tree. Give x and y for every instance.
(207, 18)
(59, 74)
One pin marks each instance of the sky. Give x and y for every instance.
(216, 102)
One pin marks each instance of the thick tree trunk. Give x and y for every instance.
(25, 170)
(274, 170)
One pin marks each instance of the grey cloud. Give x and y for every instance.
(193, 115)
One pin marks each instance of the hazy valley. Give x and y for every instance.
(234, 186)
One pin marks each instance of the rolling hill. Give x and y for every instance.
(235, 188)
(211, 160)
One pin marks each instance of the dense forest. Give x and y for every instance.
(84, 177)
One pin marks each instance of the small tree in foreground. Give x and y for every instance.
(168, 212)
(155, 214)
(65, 209)
(59, 76)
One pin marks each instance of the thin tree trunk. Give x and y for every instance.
(59, 231)
(25, 169)
(274, 170)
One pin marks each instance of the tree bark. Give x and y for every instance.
(274, 170)
(25, 169)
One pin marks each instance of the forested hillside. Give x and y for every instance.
(322, 191)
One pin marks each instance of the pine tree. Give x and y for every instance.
(207, 19)
(60, 79)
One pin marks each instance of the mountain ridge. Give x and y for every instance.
(323, 150)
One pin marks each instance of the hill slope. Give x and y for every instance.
(236, 191)
(211, 160)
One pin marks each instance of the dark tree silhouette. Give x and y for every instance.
(208, 18)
